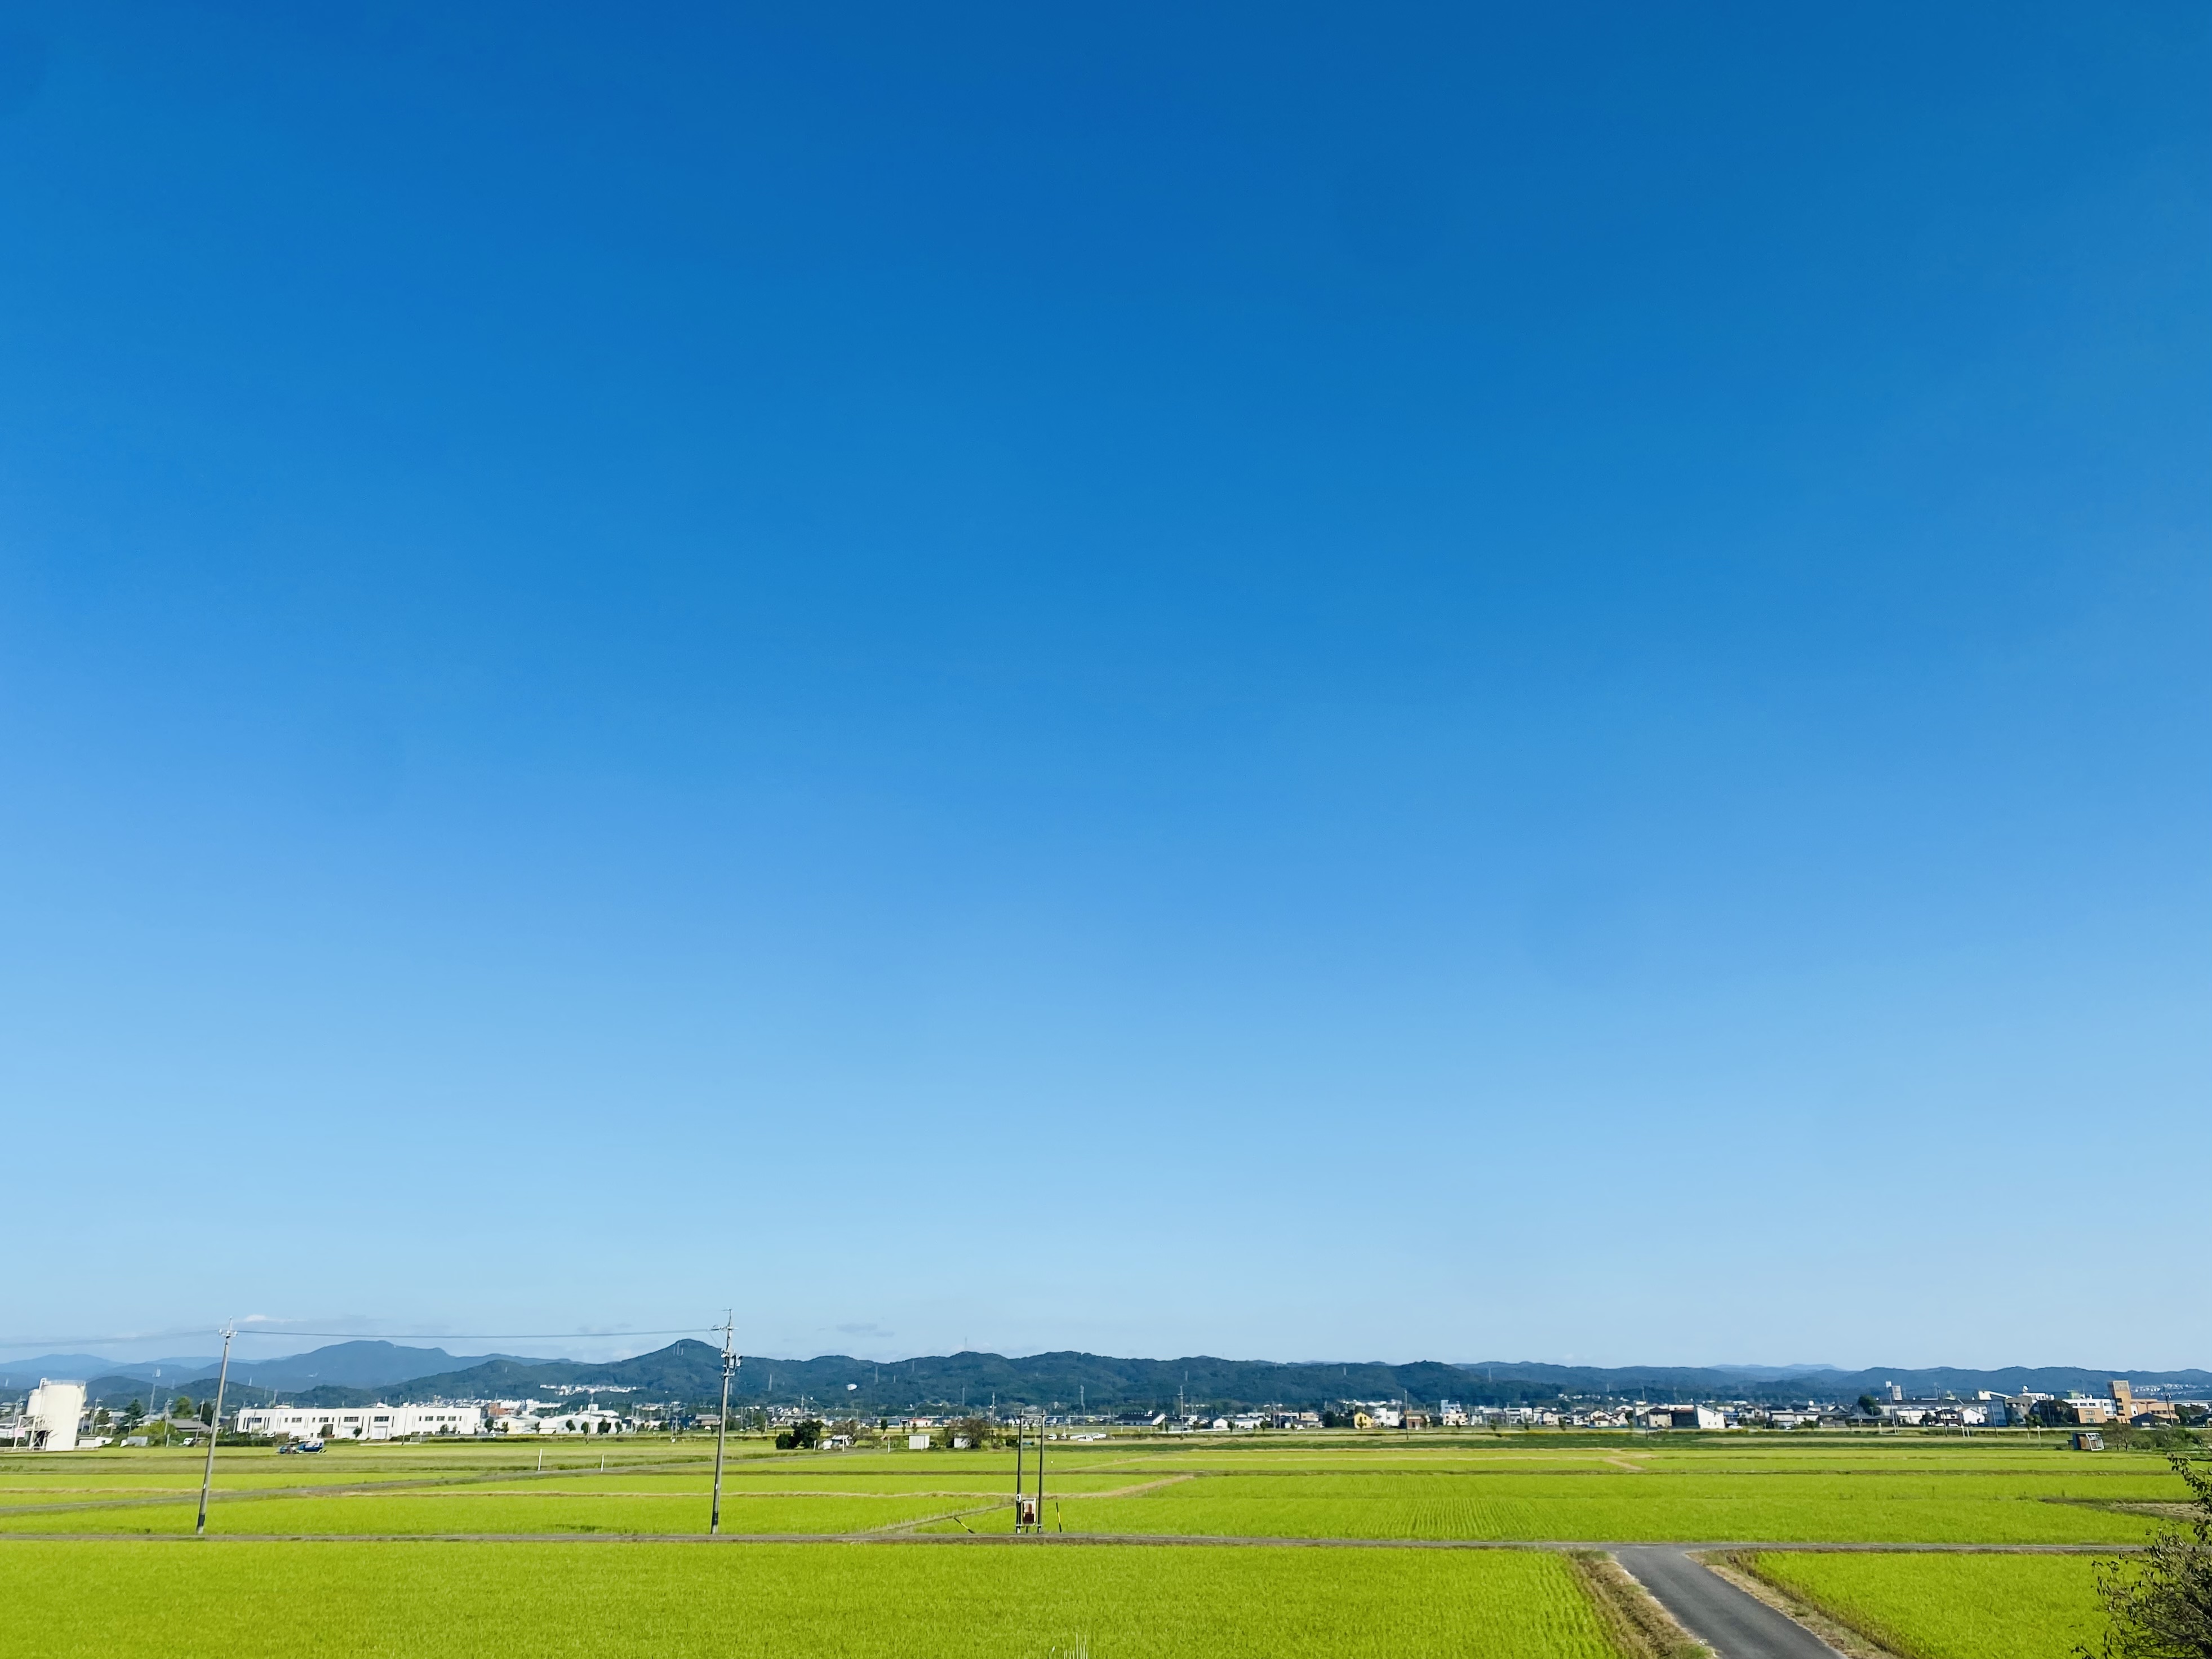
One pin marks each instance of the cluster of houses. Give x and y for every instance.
(1272, 1417)
(1986, 1409)
(1451, 1415)
(2118, 1405)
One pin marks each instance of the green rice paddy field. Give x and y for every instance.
(1951, 1606)
(467, 1549)
(1921, 1492)
(283, 1601)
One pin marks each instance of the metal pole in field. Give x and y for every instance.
(214, 1432)
(722, 1423)
(1021, 1441)
(1041, 1423)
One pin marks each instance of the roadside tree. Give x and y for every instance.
(2160, 1601)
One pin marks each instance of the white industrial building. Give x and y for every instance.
(590, 1420)
(52, 1415)
(359, 1422)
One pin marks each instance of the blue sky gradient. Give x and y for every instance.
(1377, 682)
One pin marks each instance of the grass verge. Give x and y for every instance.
(1739, 1567)
(1635, 1625)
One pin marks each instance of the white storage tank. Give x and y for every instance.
(54, 1412)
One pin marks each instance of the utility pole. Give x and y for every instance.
(1029, 1510)
(215, 1431)
(722, 1423)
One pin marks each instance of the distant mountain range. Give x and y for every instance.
(362, 1365)
(356, 1364)
(19, 1374)
(355, 1373)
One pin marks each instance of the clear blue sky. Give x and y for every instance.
(1377, 682)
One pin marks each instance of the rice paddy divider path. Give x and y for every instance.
(920, 1521)
(1131, 1491)
(369, 1488)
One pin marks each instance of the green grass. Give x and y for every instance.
(1952, 1607)
(670, 1601)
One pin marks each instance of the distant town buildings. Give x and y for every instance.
(54, 1417)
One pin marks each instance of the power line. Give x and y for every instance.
(478, 1336)
(358, 1336)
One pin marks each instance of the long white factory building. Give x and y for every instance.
(359, 1422)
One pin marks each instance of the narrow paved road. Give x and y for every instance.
(1734, 1624)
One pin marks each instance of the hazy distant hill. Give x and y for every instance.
(839, 1384)
(17, 1374)
(363, 1364)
